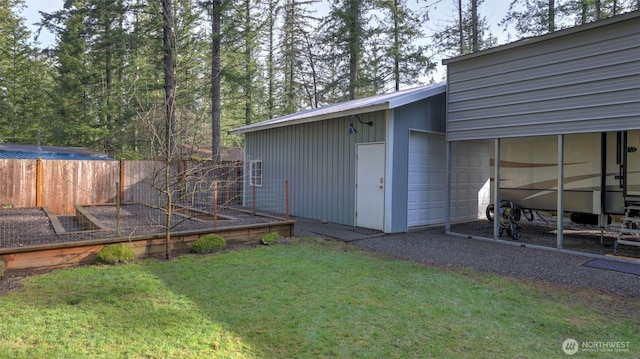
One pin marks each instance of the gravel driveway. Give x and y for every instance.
(432, 246)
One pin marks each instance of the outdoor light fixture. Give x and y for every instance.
(352, 128)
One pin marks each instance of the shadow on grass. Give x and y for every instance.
(305, 300)
(325, 299)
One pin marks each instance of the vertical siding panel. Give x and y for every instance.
(308, 181)
(335, 124)
(326, 163)
(317, 170)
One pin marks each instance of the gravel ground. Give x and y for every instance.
(431, 246)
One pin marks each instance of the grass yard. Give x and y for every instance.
(308, 299)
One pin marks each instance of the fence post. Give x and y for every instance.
(121, 184)
(227, 200)
(253, 195)
(286, 194)
(215, 204)
(118, 199)
(39, 184)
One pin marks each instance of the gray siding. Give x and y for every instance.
(426, 115)
(584, 81)
(318, 159)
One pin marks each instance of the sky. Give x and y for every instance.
(443, 12)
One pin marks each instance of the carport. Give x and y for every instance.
(574, 84)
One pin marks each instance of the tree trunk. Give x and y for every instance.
(169, 91)
(354, 46)
(248, 86)
(270, 64)
(460, 28)
(396, 46)
(169, 77)
(552, 16)
(474, 26)
(215, 80)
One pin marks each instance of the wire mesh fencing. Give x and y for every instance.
(143, 198)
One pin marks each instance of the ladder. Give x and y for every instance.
(630, 225)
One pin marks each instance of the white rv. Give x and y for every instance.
(601, 172)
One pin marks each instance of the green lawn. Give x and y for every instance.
(308, 299)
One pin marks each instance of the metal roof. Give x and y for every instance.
(14, 151)
(348, 108)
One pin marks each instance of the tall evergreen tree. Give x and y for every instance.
(532, 17)
(23, 78)
(273, 10)
(345, 33)
(400, 28)
(578, 12)
(215, 11)
(458, 39)
(76, 120)
(295, 59)
(168, 52)
(242, 23)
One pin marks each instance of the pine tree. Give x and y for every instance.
(400, 28)
(76, 121)
(24, 78)
(458, 39)
(296, 58)
(345, 33)
(578, 12)
(532, 17)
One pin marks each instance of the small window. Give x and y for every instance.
(255, 168)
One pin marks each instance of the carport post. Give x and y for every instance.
(560, 213)
(447, 215)
(496, 189)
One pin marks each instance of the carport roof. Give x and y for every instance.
(370, 104)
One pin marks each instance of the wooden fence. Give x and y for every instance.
(61, 184)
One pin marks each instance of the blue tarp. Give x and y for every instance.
(13, 151)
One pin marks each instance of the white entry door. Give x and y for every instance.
(370, 183)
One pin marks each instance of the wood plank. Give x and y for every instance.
(53, 258)
(55, 221)
(84, 252)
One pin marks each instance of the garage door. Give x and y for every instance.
(427, 179)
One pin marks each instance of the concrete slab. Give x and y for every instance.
(306, 227)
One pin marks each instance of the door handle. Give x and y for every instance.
(621, 176)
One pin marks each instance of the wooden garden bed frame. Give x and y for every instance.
(71, 254)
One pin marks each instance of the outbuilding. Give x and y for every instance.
(376, 163)
(562, 112)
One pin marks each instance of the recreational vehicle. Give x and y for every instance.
(601, 172)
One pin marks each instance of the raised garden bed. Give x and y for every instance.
(32, 238)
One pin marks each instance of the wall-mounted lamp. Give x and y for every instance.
(352, 128)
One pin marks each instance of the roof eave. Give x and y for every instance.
(430, 92)
(322, 117)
